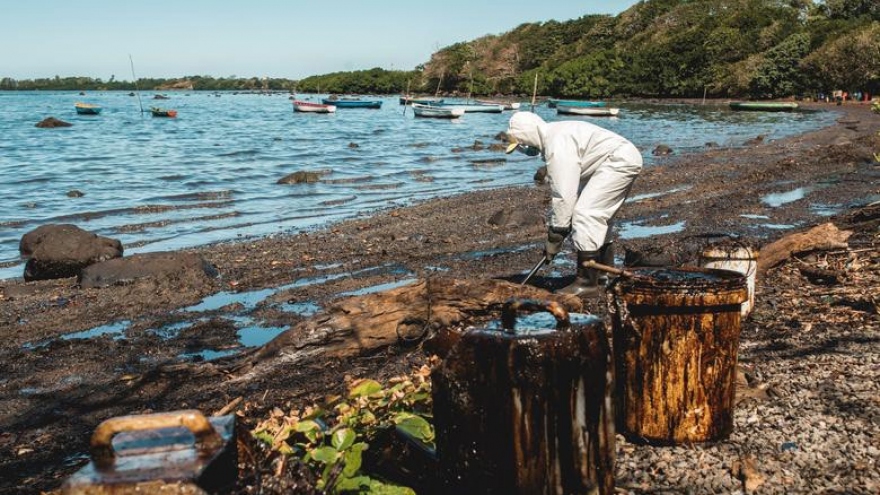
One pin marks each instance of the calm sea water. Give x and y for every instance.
(210, 174)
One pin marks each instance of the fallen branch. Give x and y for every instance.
(823, 237)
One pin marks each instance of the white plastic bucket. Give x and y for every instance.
(736, 258)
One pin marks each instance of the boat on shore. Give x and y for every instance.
(437, 112)
(351, 102)
(87, 108)
(163, 112)
(553, 103)
(311, 107)
(587, 111)
(421, 100)
(763, 106)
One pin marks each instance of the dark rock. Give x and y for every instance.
(497, 147)
(75, 193)
(662, 150)
(353, 145)
(756, 141)
(712, 144)
(540, 175)
(51, 122)
(300, 177)
(178, 267)
(61, 251)
(516, 218)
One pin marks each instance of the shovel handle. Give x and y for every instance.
(206, 437)
(609, 269)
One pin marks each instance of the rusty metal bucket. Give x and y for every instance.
(675, 339)
(524, 411)
(180, 452)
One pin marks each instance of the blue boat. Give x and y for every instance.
(348, 102)
(552, 103)
(87, 109)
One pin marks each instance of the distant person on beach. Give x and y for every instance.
(591, 171)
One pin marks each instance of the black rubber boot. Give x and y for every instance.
(586, 282)
(606, 257)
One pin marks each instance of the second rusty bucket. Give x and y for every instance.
(526, 410)
(676, 333)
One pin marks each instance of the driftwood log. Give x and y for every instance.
(363, 324)
(822, 237)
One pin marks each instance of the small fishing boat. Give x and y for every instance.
(553, 103)
(763, 106)
(587, 111)
(163, 112)
(87, 108)
(351, 102)
(437, 112)
(506, 105)
(421, 100)
(472, 107)
(310, 107)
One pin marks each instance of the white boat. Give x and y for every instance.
(587, 111)
(307, 106)
(474, 107)
(437, 112)
(422, 100)
(507, 105)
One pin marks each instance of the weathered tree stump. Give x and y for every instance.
(676, 334)
(526, 412)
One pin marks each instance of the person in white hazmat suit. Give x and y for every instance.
(591, 171)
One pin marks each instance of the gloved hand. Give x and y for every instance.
(555, 237)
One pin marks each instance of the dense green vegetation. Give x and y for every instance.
(656, 48)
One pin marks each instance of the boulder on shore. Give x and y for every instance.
(51, 122)
(156, 266)
(62, 250)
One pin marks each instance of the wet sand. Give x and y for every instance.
(54, 391)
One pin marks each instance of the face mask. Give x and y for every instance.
(528, 150)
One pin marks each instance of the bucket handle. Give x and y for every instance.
(511, 307)
(207, 439)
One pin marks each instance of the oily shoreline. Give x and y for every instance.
(55, 393)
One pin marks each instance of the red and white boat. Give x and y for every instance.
(308, 106)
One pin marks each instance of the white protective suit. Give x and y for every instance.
(591, 170)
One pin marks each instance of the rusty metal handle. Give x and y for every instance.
(101, 446)
(511, 307)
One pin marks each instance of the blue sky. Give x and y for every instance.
(274, 38)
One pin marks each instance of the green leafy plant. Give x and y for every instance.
(330, 439)
(876, 107)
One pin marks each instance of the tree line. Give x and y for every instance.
(656, 48)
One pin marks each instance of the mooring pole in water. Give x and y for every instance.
(526, 412)
(676, 333)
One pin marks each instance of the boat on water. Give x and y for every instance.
(763, 106)
(351, 102)
(163, 112)
(507, 105)
(553, 103)
(87, 108)
(437, 112)
(587, 111)
(311, 107)
(421, 100)
(471, 107)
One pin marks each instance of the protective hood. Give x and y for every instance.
(525, 128)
